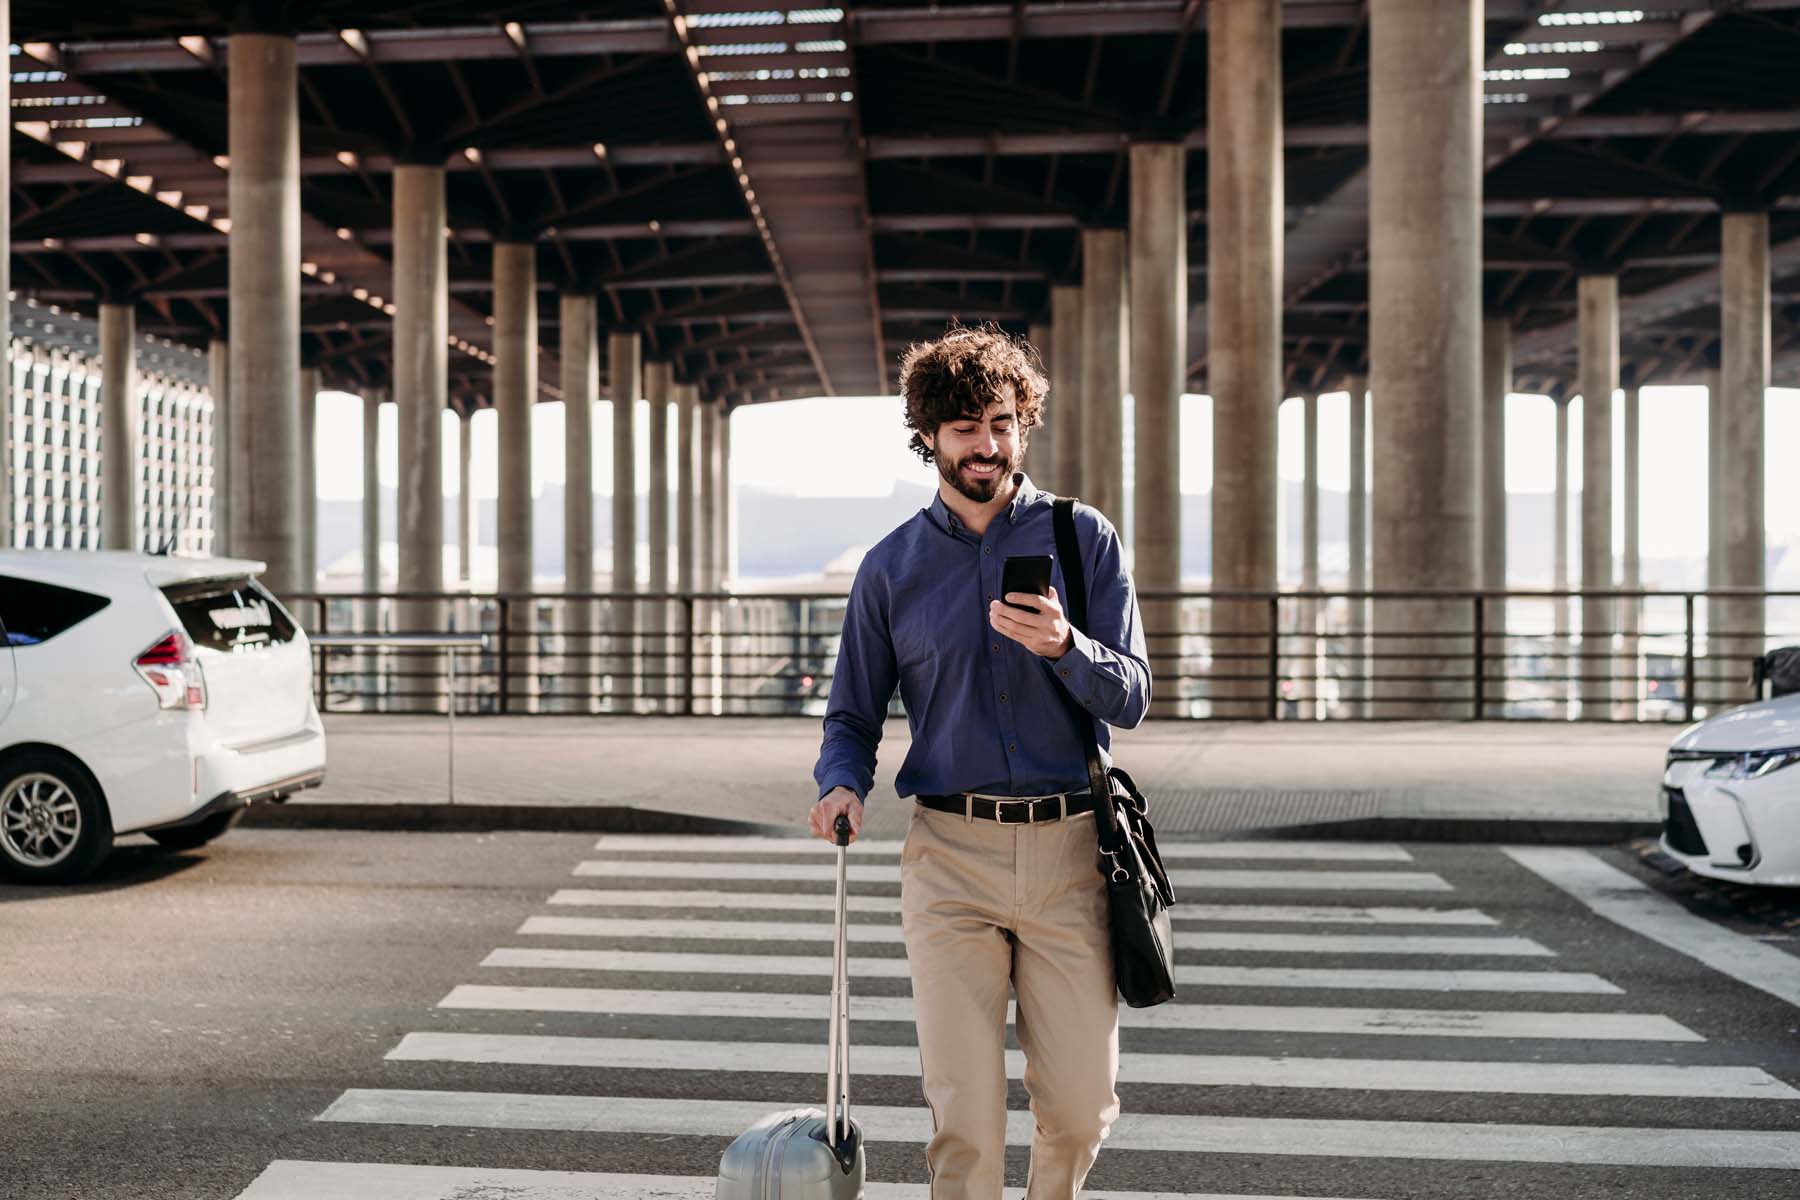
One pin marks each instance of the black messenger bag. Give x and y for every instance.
(1137, 888)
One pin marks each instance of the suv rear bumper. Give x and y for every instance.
(224, 802)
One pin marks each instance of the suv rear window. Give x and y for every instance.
(34, 612)
(230, 614)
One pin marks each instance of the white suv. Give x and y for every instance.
(142, 694)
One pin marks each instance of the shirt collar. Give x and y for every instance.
(1024, 496)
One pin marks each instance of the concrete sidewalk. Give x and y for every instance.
(1421, 780)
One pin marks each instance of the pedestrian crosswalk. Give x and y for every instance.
(678, 995)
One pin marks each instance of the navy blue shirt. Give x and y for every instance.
(985, 711)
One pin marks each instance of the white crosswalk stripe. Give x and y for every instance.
(821, 931)
(1591, 1145)
(702, 847)
(1205, 879)
(713, 925)
(1266, 1018)
(287, 1179)
(1184, 913)
(1194, 1070)
(1330, 978)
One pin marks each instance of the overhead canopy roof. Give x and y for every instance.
(901, 166)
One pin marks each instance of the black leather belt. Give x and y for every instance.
(1007, 811)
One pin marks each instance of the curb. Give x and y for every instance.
(1471, 830)
(569, 818)
(489, 818)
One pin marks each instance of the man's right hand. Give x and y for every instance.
(825, 814)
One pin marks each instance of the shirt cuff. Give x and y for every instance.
(1076, 671)
(832, 784)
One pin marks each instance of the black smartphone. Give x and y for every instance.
(1025, 573)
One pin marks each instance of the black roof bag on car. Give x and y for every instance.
(1781, 668)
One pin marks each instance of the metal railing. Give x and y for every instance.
(454, 643)
(1323, 655)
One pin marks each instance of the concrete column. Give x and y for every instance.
(1425, 331)
(1358, 534)
(580, 359)
(708, 613)
(1159, 315)
(120, 417)
(1065, 388)
(1496, 385)
(1597, 306)
(624, 372)
(709, 495)
(1244, 213)
(726, 545)
(307, 449)
(1631, 566)
(1307, 645)
(371, 501)
(515, 387)
(657, 384)
(1040, 457)
(1559, 541)
(687, 519)
(1103, 371)
(465, 496)
(1712, 683)
(369, 611)
(421, 386)
(1743, 389)
(6, 408)
(263, 141)
(218, 384)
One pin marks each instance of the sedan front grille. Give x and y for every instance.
(1679, 826)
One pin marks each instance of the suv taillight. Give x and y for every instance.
(173, 673)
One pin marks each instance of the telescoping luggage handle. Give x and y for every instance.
(837, 1089)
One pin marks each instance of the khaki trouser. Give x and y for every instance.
(981, 904)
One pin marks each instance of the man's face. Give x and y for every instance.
(977, 456)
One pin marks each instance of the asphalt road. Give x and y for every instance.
(183, 1022)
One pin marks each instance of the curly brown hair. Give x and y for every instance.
(960, 374)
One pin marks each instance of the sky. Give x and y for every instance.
(856, 446)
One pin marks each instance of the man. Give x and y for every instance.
(999, 878)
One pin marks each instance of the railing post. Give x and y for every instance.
(688, 607)
(1687, 689)
(1275, 657)
(1480, 656)
(503, 614)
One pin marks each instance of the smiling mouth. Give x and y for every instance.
(983, 468)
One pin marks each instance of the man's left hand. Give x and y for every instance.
(1046, 632)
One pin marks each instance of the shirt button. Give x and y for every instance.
(1065, 672)
(1011, 746)
(995, 647)
(987, 549)
(990, 597)
(1003, 697)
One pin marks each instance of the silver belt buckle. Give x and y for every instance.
(1000, 811)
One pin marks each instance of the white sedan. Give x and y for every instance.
(1731, 794)
(142, 694)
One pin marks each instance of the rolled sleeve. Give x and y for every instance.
(1107, 668)
(862, 684)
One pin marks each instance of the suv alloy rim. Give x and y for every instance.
(40, 820)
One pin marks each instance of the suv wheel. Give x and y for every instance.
(53, 826)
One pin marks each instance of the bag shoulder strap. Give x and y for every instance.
(1068, 549)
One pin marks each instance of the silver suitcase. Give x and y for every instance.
(805, 1154)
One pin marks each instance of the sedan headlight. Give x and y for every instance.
(1753, 766)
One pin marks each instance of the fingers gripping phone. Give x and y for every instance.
(1025, 573)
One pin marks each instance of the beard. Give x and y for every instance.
(980, 490)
